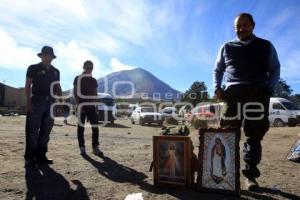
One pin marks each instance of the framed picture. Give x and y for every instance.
(294, 152)
(219, 161)
(171, 158)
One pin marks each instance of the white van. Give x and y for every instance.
(131, 108)
(283, 112)
(107, 108)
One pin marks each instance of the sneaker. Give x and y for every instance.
(82, 151)
(97, 151)
(251, 184)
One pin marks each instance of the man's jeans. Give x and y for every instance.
(88, 112)
(239, 111)
(39, 124)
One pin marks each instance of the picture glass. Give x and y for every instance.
(219, 161)
(171, 161)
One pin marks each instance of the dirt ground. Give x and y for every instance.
(124, 169)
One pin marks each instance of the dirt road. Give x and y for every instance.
(124, 168)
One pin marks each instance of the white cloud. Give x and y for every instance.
(126, 21)
(14, 56)
(45, 8)
(101, 42)
(286, 40)
(170, 34)
(116, 65)
(76, 7)
(70, 56)
(276, 22)
(110, 28)
(70, 59)
(105, 26)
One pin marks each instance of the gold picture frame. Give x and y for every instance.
(172, 160)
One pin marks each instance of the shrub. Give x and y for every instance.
(171, 121)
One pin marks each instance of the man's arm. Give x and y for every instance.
(28, 84)
(58, 90)
(75, 90)
(75, 94)
(95, 91)
(274, 69)
(218, 74)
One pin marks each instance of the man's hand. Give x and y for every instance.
(58, 110)
(219, 93)
(29, 107)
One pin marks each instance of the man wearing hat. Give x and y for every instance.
(42, 83)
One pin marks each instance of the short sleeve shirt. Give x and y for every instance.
(86, 86)
(42, 78)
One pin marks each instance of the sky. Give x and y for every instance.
(176, 40)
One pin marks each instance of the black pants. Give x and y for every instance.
(88, 112)
(28, 150)
(247, 106)
(38, 126)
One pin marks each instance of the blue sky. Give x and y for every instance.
(176, 40)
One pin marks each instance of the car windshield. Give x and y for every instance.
(169, 111)
(107, 101)
(147, 110)
(289, 105)
(131, 108)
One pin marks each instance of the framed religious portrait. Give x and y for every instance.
(294, 152)
(219, 161)
(171, 160)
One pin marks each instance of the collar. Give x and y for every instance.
(45, 67)
(246, 42)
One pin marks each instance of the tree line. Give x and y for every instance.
(198, 93)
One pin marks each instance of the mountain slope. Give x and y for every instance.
(136, 83)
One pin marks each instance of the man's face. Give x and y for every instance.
(243, 28)
(88, 69)
(46, 59)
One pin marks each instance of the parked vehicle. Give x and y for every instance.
(184, 110)
(106, 108)
(131, 108)
(169, 112)
(283, 112)
(143, 115)
(206, 112)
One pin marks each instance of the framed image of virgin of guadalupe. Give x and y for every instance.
(219, 161)
(171, 160)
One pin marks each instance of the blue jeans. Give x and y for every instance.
(39, 124)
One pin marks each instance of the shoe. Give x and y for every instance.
(251, 184)
(97, 151)
(82, 150)
(44, 160)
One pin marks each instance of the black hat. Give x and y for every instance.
(46, 50)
